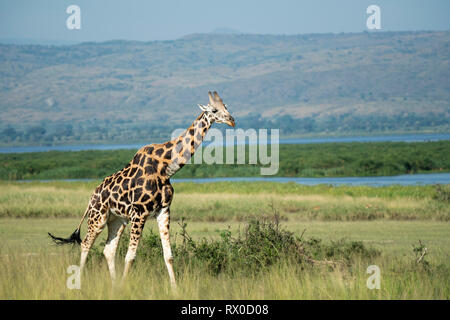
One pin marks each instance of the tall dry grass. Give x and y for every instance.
(239, 201)
(43, 276)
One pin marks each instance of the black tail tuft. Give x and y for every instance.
(74, 238)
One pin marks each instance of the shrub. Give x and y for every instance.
(261, 244)
(442, 193)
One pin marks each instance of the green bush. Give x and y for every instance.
(263, 243)
(308, 160)
(442, 193)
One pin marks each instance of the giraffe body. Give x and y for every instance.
(142, 189)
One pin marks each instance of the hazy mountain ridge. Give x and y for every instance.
(261, 77)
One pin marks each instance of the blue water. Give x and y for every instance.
(410, 179)
(392, 138)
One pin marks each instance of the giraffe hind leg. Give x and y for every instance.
(116, 225)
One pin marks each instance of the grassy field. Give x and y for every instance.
(228, 201)
(309, 160)
(33, 268)
(390, 220)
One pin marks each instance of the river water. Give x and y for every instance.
(405, 180)
(393, 138)
(410, 179)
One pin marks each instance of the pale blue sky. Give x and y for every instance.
(170, 19)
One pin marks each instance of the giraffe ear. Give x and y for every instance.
(211, 99)
(216, 97)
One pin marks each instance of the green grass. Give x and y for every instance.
(44, 277)
(388, 236)
(33, 268)
(310, 160)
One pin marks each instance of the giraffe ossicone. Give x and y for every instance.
(142, 189)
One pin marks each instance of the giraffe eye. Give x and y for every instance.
(214, 111)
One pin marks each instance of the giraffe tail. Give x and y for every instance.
(74, 238)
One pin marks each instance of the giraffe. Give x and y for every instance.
(141, 189)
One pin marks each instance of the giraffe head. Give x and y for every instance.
(217, 110)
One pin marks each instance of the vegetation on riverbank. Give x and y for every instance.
(307, 160)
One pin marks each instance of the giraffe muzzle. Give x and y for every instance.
(230, 122)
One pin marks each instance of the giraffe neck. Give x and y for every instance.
(185, 145)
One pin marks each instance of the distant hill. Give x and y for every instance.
(127, 91)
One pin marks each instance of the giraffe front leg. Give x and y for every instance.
(137, 227)
(164, 224)
(95, 227)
